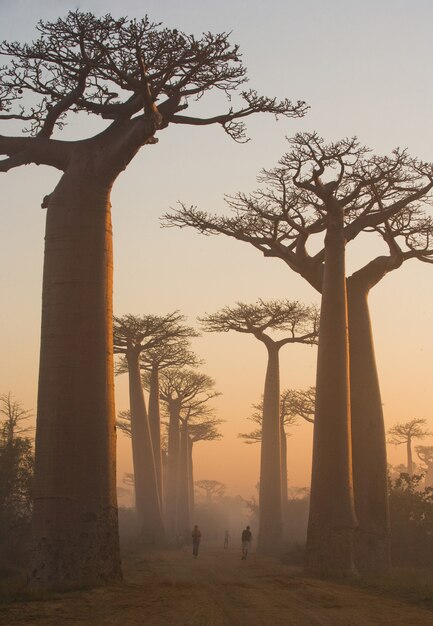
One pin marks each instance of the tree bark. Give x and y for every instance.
(147, 501)
(172, 468)
(372, 540)
(155, 426)
(183, 521)
(270, 508)
(332, 517)
(74, 526)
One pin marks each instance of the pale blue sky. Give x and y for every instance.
(365, 69)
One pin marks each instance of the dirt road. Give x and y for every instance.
(217, 589)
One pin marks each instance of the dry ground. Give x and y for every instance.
(218, 589)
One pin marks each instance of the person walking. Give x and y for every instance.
(196, 536)
(226, 539)
(246, 542)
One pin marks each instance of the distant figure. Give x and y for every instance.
(246, 542)
(196, 536)
(226, 539)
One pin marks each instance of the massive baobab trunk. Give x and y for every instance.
(147, 502)
(270, 508)
(183, 521)
(172, 468)
(155, 426)
(372, 541)
(74, 528)
(332, 517)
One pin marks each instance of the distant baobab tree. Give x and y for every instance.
(138, 78)
(293, 205)
(202, 429)
(133, 336)
(212, 488)
(425, 455)
(299, 324)
(405, 433)
(186, 394)
(294, 403)
(174, 352)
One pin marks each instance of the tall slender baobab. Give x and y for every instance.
(172, 353)
(139, 78)
(134, 335)
(294, 403)
(299, 325)
(203, 429)
(279, 220)
(405, 433)
(186, 394)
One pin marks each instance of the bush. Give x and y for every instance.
(411, 515)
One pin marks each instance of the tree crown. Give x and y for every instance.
(134, 73)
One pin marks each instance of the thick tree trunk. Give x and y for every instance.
(147, 502)
(372, 541)
(270, 509)
(155, 426)
(172, 468)
(191, 478)
(74, 527)
(409, 456)
(332, 516)
(183, 521)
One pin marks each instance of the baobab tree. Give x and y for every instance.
(138, 78)
(425, 455)
(299, 324)
(186, 394)
(294, 403)
(405, 433)
(212, 488)
(170, 353)
(204, 429)
(133, 336)
(280, 219)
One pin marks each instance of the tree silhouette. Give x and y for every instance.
(138, 78)
(204, 430)
(134, 335)
(294, 403)
(186, 394)
(293, 207)
(16, 479)
(405, 433)
(299, 325)
(212, 488)
(425, 455)
(13, 414)
(174, 352)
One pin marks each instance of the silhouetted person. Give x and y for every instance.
(246, 542)
(196, 536)
(226, 539)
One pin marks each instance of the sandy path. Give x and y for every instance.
(217, 589)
